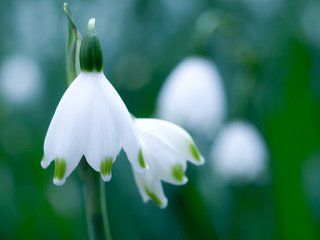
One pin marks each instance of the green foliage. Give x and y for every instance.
(73, 47)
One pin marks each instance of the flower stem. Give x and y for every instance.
(104, 210)
(95, 203)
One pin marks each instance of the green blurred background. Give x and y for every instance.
(267, 53)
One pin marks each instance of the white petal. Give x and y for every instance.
(176, 137)
(103, 143)
(170, 166)
(193, 96)
(239, 152)
(122, 118)
(150, 188)
(68, 130)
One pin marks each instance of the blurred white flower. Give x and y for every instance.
(91, 120)
(20, 79)
(239, 152)
(166, 147)
(193, 96)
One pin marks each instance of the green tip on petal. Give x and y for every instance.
(105, 167)
(195, 153)
(142, 163)
(59, 171)
(177, 173)
(154, 198)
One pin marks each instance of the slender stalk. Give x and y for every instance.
(95, 203)
(87, 211)
(104, 210)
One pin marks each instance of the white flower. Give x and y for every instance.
(193, 96)
(90, 120)
(27, 84)
(166, 147)
(239, 152)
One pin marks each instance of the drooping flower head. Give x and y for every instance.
(166, 147)
(239, 152)
(91, 120)
(193, 96)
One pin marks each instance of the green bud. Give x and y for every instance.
(91, 59)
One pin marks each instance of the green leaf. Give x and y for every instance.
(73, 47)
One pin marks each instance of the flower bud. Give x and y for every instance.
(91, 59)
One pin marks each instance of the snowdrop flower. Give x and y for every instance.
(27, 85)
(193, 96)
(166, 147)
(239, 152)
(90, 120)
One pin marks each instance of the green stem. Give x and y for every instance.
(104, 210)
(95, 203)
(88, 215)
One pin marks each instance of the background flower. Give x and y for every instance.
(193, 96)
(239, 152)
(266, 53)
(166, 148)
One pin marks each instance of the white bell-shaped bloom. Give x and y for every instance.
(90, 120)
(193, 96)
(239, 152)
(166, 147)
